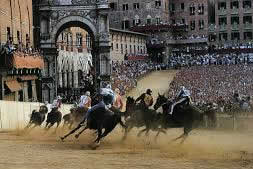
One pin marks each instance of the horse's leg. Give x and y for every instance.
(77, 135)
(158, 133)
(58, 123)
(127, 130)
(181, 136)
(106, 132)
(140, 132)
(71, 132)
(28, 125)
(99, 135)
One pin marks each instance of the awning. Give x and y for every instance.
(28, 77)
(14, 85)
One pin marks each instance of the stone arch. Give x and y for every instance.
(71, 21)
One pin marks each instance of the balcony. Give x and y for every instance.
(247, 10)
(159, 27)
(235, 27)
(187, 41)
(223, 27)
(234, 11)
(248, 26)
(212, 28)
(222, 12)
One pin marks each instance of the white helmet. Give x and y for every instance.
(59, 97)
(87, 93)
(108, 86)
(182, 88)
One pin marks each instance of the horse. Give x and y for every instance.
(75, 116)
(53, 117)
(99, 119)
(37, 117)
(187, 117)
(137, 116)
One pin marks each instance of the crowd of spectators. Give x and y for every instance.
(209, 83)
(126, 73)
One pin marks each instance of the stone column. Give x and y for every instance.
(65, 79)
(103, 54)
(34, 90)
(76, 79)
(25, 92)
(60, 79)
(70, 79)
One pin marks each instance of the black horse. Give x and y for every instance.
(53, 117)
(37, 117)
(187, 117)
(100, 119)
(137, 116)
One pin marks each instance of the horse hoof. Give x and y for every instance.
(62, 139)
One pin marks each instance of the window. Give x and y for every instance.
(8, 34)
(247, 35)
(158, 20)
(223, 36)
(192, 25)
(149, 20)
(235, 20)
(223, 21)
(112, 46)
(222, 6)
(125, 7)
(113, 6)
(201, 24)
(18, 36)
(201, 9)
(121, 48)
(192, 9)
(183, 21)
(247, 19)
(247, 4)
(158, 4)
(136, 20)
(136, 5)
(235, 36)
(234, 4)
(79, 39)
(182, 6)
(117, 46)
(125, 24)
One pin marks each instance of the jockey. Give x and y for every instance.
(56, 103)
(106, 102)
(118, 101)
(146, 99)
(183, 97)
(85, 100)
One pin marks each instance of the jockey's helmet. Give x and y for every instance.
(108, 86)
(59, 97)
(182, 88)
(149, 91)
(117, 91)
(87, 93)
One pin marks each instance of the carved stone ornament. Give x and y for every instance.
(103, 36)
(83, 2)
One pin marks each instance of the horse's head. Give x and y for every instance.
(43, 109)
(160, 101)
(130, 103)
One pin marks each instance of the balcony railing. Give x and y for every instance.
(223, 27)
(248, 26)
(235, 26)
(247, 10)
(159, 27)
(222, 12)
(212, 28)
(234, 11)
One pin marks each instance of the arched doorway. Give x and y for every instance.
(88, 15)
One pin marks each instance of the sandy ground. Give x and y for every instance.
(203, 150)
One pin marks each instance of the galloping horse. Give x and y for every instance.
(188, 117)
(37, 118)
(137, 116)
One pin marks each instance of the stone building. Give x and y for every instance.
(125, 14)
(20, 64)
(232, 22)
(127, 45)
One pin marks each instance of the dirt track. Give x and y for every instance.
(203, 150)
